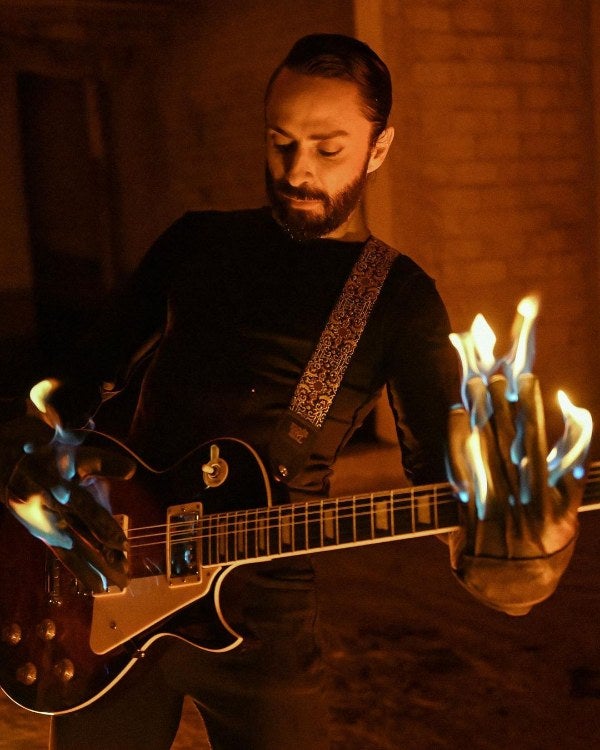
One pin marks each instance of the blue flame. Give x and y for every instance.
(475, 349)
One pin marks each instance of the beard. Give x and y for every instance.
(303, 225)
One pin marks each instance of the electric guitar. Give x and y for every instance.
(62, 647)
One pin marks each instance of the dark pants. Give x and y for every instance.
(266, 694)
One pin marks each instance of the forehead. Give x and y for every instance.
(310, 103)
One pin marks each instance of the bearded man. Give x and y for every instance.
(237, 302)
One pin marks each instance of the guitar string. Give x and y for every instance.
(309, 512)
(246, 522)
(310, 509)
(213, 530)
(217, 532)
(439, 491)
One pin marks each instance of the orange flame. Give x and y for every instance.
(40, 522)
(39, 396)
(475, 349)
(570, 451)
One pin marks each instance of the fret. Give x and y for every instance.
(212, 540)
(231, 545)
(205, 541)
(241, 551)
(434, 503)
(362, 520)
(300, 533)
(423, 505)
(262, 536)
(403, 513)
(321, 524)
(222, 538)
(251, 535)
(285, 530)
(382, 519)
(329, 529)
(345, 520)
(314, 525)
(274, 531)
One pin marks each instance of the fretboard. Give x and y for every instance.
(319, 525)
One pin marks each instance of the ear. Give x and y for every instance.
(379, 149)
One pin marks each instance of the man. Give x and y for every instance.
(240, 300)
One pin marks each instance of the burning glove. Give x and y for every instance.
(519, 506)
(55, 488)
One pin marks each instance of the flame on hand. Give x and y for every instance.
(33, 512)
(40, 522)
(520, 359)
(39, 396)
(476, 351)
(570, 451)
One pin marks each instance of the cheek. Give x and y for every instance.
(336, 177)
(275, 163)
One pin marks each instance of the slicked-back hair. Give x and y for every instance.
(346, 58)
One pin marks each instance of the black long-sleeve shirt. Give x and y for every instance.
(240, 307)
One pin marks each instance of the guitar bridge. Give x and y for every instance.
(183, 551)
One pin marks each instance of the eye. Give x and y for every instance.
(283, 148)
(329, 154)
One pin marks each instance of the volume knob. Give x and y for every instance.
(64, 670)
(12, 634)
(27, 673)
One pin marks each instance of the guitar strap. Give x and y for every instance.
(301, 423)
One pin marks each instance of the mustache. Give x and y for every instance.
(299, 193)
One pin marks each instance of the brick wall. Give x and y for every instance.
(490, 181)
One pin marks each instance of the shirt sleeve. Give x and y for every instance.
(134, 315)
(423, 381)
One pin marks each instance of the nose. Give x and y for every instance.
(299, 168)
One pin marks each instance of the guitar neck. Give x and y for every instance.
(320, 525)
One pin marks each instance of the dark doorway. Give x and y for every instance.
(69, 199)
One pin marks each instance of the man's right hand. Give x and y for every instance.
(52, 483)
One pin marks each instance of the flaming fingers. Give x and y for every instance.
(519, 501)
(57, 492)
(489, 386)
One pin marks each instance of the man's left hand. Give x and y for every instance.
(517, 529)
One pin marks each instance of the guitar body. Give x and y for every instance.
(62, 647)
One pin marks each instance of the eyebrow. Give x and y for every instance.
(316, 136)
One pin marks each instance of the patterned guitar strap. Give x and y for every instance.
(301, 423)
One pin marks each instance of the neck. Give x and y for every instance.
(354, 229)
